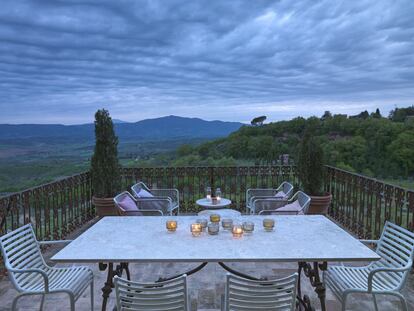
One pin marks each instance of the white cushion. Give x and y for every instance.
(290, 208)
(144, 194)
(280, 195)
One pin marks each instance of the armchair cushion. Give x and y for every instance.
(127, 204)
(291, 207)
(280, 195)
(144, 194)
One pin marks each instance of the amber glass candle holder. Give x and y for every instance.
(268, 224)
(215, 218)
(203, 223)
(248, 227)
(171, 225)
(196, 229)
(237, 231)
(227, 223)
(213, 228)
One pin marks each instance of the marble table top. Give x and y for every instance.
(145, 239)
(208, 203)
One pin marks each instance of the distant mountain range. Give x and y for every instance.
(149, 129)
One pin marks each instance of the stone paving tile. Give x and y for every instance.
(206, 287)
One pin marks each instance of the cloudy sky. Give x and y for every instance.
(214, 59)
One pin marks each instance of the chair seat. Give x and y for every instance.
(341, 278)
(73, 279)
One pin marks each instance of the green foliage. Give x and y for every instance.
(105, 169)
(310, 164)
(258, 121)
(400, 114)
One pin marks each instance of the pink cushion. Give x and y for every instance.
(144, 194)
(292, 207)
(127, 204)
(280, 195)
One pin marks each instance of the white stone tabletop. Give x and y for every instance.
(145, 239)
(209, 204)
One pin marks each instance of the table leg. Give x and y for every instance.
(311, 271)
(109, 284)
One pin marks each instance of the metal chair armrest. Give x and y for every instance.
(369, 241)
(54, 242)
(32, 270)
(386, 269)
(154, 198)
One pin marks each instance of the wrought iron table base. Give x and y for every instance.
(311, 271)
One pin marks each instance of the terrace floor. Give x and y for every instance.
(206, 287)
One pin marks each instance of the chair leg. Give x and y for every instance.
(344, 297)
(375, 302)
(92, 304)
(14, 304)
(72, 302)
(42, 302)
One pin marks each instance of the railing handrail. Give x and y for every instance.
(369, 178)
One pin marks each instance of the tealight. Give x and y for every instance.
(268, 224)
(227, 223)
(237, 231)
(203, 223)
(213, 228)
(248, 227)
(215, 218)
(196, 229)
(171, 225)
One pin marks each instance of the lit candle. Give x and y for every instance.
(248, 227)
(203, 223)
(227, 223)
(215, 218)
(237, 231)
(171, 225)
(268, 224)
(196, 229)
(213, 228)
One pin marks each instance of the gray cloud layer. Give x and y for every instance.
(61, 60)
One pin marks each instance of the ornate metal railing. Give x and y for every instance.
(54, 209)
(192, 181)
(363, 204)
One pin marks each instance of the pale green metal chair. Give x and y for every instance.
(384, 277)
(168, 295)
(247, 295)
(30, 274)
(298, 204)
(285, 190)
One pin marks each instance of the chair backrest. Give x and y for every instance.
(287, 188)
(242, 294)
(138, 186)
(396, 248)
(20, 250)
(162, 296)
(304, 201)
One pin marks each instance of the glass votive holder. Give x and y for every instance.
(268, 224)
(203, 223)
(237, 231)
(213, 228)
(171, 225)
(227, 223)
(248, 227)
(215, 218)
(196, 229)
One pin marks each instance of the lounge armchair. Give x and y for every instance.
(298, 204)
(141, 191)
(282, 192)
(128, 205)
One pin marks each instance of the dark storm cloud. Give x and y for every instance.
(61, 60)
